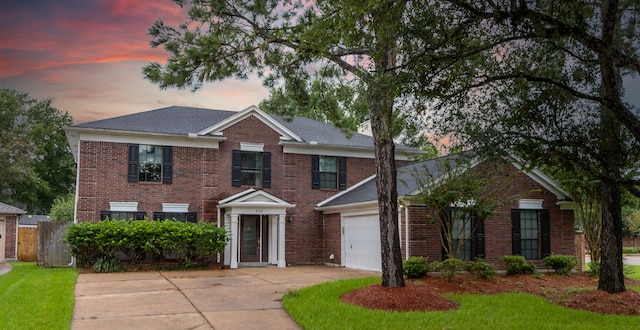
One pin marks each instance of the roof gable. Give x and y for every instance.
(254, 198)
(216, 129)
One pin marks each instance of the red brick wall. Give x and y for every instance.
(202, 177)
(332, 238)
(11, 239)
(425, 240)
(103, 179)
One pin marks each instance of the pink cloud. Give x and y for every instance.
(80, 33)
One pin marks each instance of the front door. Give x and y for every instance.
(250, 238)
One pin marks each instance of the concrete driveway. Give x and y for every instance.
(246, 298)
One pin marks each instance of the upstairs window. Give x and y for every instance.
(150, 163)
(250, 168)
(328, 172)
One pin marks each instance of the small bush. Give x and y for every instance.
(448, 268)
(594, 269)
(562, 264)
(415, 267)
(482, 269)
(518, 265)
(107, 265)
(630, 250)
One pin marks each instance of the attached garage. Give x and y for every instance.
(361, 242)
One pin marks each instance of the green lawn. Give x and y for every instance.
(319, 307)
(36, 298)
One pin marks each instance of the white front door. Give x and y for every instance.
(362, 242)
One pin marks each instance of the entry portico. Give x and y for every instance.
(255, 222)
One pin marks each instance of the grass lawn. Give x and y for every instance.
(36, 298)
(319, 307)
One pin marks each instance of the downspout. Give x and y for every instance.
(400, 207)
(75, 206)
(406, 230)
(218, 225)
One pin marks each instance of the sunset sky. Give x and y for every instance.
(87, 57)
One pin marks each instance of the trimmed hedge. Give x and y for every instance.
(562, 264)
(518, 265)
(415, 267)
(184, 241)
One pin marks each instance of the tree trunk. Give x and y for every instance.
(381, 91)
(611, 268)
(381, 107)
(381, 104)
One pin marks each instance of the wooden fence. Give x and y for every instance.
(27, 244)
(52, 251)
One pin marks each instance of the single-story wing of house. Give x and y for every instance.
(535, 218)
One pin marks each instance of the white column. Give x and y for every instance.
(227, 248)
(273, 239)
(281, 220)
(234, 240)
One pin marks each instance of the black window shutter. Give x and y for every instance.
(132, 175)
(478, 237)
(236, 170)
(516, 248)
(266, 170)
(104, 215)
(167, 165)
(545, 228)
(192, 217)
(159, 216)
(315, 172)
(342, 173)
(139, 215)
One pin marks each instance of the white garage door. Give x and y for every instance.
(362, 242)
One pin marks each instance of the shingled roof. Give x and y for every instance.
(409, 177)
(407, 184)
(8, 209)
(179, 120)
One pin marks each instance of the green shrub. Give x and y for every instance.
(62, 208)
(415, 267)
(594, 269)
(562, 264)
(482, 269)
(630, 250)
(517, 265)
(187, 242)
(107, 265)
(448, 268)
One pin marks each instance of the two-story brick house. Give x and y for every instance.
(288, 192)
(260, 175)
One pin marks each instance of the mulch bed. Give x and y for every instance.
(577, 291)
